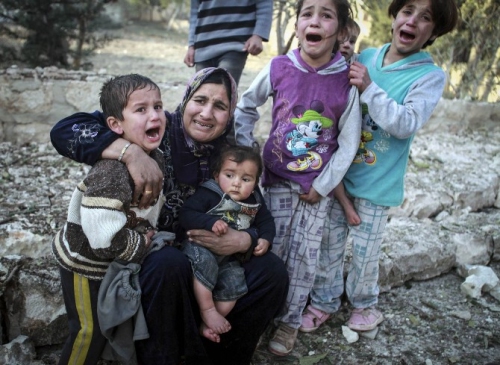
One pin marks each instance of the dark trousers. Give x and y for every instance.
(173, 317)
(85, 342)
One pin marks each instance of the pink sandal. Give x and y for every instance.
(312, 318)
(365, 319)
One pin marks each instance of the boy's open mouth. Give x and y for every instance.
(153, 132)
(406, 36)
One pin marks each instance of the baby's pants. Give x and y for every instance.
(299, 228)
(362, 279)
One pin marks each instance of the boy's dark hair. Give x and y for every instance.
(116, 91)
(445, 16)
(238, 154)
(344, 12)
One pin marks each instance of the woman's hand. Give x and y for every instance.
(147, 176)
(359, 76)
(312, 197)
(228, 244)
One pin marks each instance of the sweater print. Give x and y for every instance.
(306, 111)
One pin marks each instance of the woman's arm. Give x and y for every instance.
(82, 137)
(86, 138)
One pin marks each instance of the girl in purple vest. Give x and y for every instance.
(314, 136)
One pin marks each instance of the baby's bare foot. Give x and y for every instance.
(215, 321)
(209, 333)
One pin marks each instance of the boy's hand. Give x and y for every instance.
(220, 227)
(359, 76)
(262, 247)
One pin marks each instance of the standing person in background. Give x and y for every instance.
(400, 86)
(223, 32)
(314, 136)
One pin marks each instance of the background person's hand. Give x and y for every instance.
(228, 244)
(253, 45)
(189, 58)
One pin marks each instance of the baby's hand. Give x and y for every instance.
(262, 247)
(220, 227)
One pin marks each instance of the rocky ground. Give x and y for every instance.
(427, 322)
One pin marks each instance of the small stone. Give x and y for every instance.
(350, 335)
(462, 314)
(369, 334)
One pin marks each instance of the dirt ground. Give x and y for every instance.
(428, 322)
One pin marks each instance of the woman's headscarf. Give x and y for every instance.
(190, 158)
(199, 79)
(187, 162)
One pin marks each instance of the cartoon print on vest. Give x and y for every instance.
(301, 141)
(368, 125)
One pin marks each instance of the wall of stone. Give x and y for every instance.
(33, 100)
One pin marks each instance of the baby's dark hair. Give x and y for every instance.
(351, 25)
(116, 91)
(344, 12)
(445, 16)
(238, 154)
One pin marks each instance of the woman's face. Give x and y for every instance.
(207, 113)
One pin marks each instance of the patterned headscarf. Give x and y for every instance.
(194, 84)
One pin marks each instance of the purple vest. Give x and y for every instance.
(306, 109)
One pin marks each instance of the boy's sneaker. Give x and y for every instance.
(283, 340)
(365, 319)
